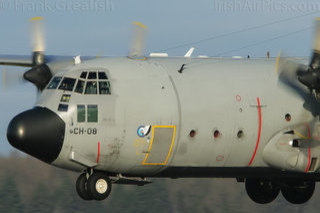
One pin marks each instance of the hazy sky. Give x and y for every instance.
(91, 27)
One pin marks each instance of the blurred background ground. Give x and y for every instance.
(28, 185)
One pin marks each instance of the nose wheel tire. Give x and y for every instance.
(81, 186)
(99, 186)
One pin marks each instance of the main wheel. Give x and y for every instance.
(99, 186)
(81, 186)
(262, 191)
(298, 193)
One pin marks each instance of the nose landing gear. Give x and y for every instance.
(96, 187)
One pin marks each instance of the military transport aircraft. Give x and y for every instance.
(123, 120)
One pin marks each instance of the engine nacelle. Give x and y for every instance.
(297, 150)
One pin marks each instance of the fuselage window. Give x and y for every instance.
(104, 88)
(65, 98)
(54, 83)
(91, 87)
(92, 113)
(81, 113)
(83, 75)
(92, 75)
(102, 76)
(67, 84)
(63, 108)
(79, 87)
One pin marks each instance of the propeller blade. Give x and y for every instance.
(37, 34)
(4, 78)
(139, 40)
(315, 61)
(289, 71)
(11, 79)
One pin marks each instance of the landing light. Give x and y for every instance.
(294, 143)
(21, 132)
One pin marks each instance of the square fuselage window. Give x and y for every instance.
(63, 108)
(81, 113)
(92, 113)
(65, 98)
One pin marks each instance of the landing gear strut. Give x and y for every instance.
(262, 191)
(96, 187)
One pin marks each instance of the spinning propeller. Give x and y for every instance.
(301, 78)
(139, 41)
(40, 73)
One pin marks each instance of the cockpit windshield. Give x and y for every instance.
(89, 83)
(54, 83)
(91, 88)
(67, 84)
(79, 87)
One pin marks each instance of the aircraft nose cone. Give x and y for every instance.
(38, 132)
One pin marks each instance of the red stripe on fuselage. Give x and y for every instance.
(259, 134)
(309, 136)
(98, 152)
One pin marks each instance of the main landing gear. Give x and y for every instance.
(96, 186)
(264, 191)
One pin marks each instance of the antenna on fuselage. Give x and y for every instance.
(189, 53)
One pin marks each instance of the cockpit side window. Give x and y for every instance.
(81, 113)
(79, 87)
(92, 113)
(91, 88)
(104, 88)
(67, 84)
(54, 83)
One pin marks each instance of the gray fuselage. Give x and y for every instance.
(213, 114)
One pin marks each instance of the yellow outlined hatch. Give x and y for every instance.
(161, 145)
